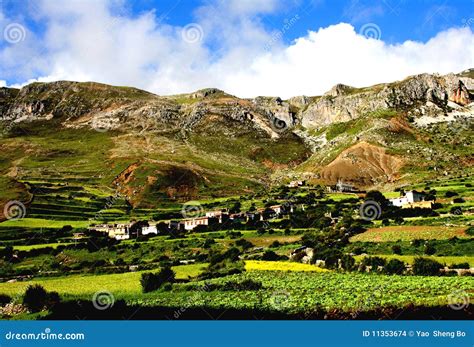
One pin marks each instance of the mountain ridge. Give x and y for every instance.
(211, 143)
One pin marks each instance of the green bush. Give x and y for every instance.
(270, 255)
(470, 231)
(426, 267)
(373, 262)
(459, 200)
(151, 282)
(275, 244)
(396, 249)
(460, 266)
(456, 210)
(394, 266)
(347, 262)
(429, 249)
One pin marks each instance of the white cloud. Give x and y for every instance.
(93, 41)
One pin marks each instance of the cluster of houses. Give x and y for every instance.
(122, 231)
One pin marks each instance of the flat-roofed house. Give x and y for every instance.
(151, 229)
(190, 224)
(409, 198)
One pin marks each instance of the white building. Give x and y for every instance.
(344, 187)
(190, 224)
(410, 197)
(150, 230)
(295, 184)
(218, 213)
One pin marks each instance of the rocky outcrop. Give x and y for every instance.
(343, 103)
(106, 107)
(103, 108)
(460, 95)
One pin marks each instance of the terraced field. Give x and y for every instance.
(409, 233)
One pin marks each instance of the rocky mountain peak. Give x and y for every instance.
(339, 89)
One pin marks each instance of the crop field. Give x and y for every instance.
(303, 292)
(261, 265)
(408, 233)
(293, 289)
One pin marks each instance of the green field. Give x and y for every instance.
(296, 292)
(84, 285)
(302, 292)
(408, 233)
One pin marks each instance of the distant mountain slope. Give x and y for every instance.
(152, 148)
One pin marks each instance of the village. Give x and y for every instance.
(225, 220)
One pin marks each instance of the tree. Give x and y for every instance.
(151, 282)
(378, 197)
(270, 255)
(394, 267)
(426, 267)
(36, 298)
(235, 208)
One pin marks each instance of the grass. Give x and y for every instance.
(44, 223)
(261, 265)
(44, 245)
(80, 285)
(408, 233)
(265, 241)
(341, 196)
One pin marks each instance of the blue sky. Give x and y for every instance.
(247, 47)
